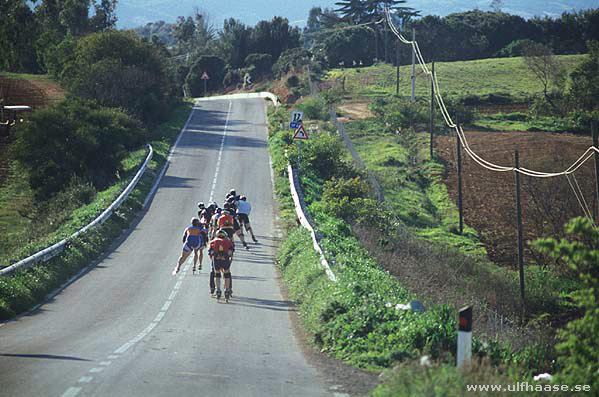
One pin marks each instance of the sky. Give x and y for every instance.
(133, 13)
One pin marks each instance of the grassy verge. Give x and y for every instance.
(362, 318)
(22, 290)
(414, 188)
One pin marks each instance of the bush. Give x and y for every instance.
(74, 139)
(118, 69)
(262, 64)
(579, 345)
(314, 108)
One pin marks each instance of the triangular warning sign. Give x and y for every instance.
(205, 76)
(300, 133)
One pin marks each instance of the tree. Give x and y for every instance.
(348, 45)
(118, 69)
(585, 80)
(234, 42)
(261, 63)
(546, 67)
(579, 347)
(496, 5)
(17, 32)
(274, 36)
(216, 69)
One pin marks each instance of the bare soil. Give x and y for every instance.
(489, 197)
(354, 111)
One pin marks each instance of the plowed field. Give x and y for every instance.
(489, 197)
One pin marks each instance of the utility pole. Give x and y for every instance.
(386, 46)
(397, 77)
(595, 132)
(413, 64)
(460, 204)
(519, 219)
(432, 121)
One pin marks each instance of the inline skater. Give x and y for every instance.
(192, 241)
(214, 222)
(221, 251)
(236, 229)
(243, 215)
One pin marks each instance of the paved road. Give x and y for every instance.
(129, 328)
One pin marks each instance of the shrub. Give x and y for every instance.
(262, 64)
(314, 108)
(118, 69)
(74, 139)
(579, 345)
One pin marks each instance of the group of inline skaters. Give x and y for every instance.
(216, 227)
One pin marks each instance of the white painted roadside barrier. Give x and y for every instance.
(50, 252)
(303, 216)
(243, 95)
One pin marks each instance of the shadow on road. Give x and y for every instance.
(268, 304)
(45, 356)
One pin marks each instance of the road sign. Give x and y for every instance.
(205, 76)
(300, 133)
(297, 118)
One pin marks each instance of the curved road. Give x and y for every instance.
(129, 328)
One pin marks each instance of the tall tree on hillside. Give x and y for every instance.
(546, 67)
(585, 80)
(274, 36)
(372, 12)
(104, 17)
(17, 31)
(234, 42)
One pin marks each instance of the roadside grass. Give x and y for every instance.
(361, 318)
(23, 289)
(460, 273)
(413, 185)
(508, 77)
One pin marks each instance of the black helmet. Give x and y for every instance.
(221, 233)
(195, 222)
(201, 204)
(232, 192)
(242, 198)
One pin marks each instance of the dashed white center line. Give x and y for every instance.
(220, 153)
(96, 370)
(71, 392)
(86, 379)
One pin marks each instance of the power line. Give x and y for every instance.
(460, 132)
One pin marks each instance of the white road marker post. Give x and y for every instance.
(464, 337)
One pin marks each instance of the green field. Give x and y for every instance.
(456, 79)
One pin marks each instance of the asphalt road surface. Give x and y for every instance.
(130, 328)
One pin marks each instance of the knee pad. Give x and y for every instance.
(217, 275)
(227, 275)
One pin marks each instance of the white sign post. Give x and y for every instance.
(464, 337)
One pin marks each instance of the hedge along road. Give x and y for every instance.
(130, 328)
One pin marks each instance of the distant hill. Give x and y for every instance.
(133, 13)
